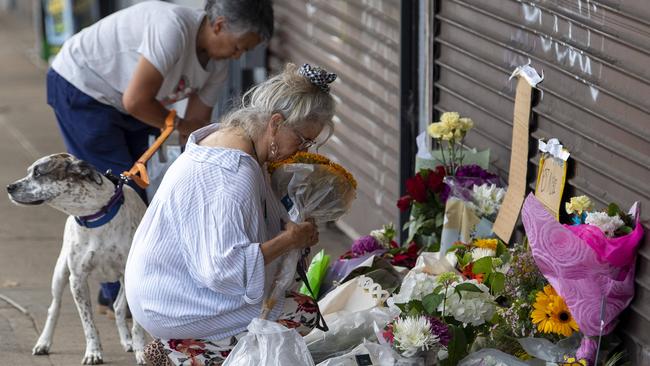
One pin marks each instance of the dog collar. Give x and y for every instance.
(107, 212)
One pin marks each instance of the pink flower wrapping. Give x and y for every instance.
(583, 266)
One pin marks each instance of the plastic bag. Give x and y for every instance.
(343, 270)
(491, 357)
(159, 163)
(347, 329)
(377, 354)
(316, 273)
(269, 344)
(312, 191)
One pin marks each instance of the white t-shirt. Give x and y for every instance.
(101, 59)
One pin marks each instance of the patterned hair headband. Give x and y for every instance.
(317, 76)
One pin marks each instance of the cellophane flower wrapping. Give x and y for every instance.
(584, 266)
(321, 191)
(472, 204)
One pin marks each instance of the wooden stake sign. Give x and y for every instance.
(509, 211)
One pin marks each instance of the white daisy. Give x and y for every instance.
(478, 253)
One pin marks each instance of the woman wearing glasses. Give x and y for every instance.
(203, 257)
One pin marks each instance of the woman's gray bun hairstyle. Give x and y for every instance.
(292, 94)
(243, 16)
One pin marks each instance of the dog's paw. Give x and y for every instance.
(127, 346)
(92, 358)
(140, 358)
(41, 349)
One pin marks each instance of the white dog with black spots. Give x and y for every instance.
(75, 187)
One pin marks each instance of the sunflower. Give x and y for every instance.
(486, 244)
(551, 313)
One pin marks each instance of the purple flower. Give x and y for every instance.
(468, 176)
(441, 330)
(365, 244)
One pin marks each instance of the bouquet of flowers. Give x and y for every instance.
(451, 131)
(457, 310)
(424, 200)
(484, 260)
(475, 193)
(310, 186)
(590, 264)
(530, 310)
(472, 201)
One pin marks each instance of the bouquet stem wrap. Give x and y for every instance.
(321, 191)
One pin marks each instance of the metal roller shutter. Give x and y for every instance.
(595, 56)
(358, 40)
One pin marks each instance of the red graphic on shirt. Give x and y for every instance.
(182, 91)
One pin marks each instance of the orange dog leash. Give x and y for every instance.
(138, 173)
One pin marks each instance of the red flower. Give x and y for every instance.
(388, 334)
(416, 187)
(470, 275)
(404, 202)
(407, 258)
(393, 244)
(434, 180)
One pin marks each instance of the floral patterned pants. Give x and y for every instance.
(299, 313)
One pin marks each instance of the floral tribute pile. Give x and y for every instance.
(460, 296)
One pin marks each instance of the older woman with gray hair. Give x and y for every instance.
(206, 250)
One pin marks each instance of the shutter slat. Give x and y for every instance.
(358, 40)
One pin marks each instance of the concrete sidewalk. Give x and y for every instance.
(30, 237)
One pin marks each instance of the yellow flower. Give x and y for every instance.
(572, 361)
(436, 130)
(450, 119)
(578, 205)
(466, 124)
(551, 313)
(486, 243)
(311, 158)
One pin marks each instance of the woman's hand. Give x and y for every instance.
(303, 235)
(294, 236)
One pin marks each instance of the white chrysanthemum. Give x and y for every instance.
(478, 253)
(473, 308)
(415, 286)
(412, 334)
(487, 199)
(608, 224)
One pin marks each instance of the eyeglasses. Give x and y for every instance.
(305, 143)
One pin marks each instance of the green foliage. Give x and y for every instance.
(457, 347)
(431, 302)
(483, 265)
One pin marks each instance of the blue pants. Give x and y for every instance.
(99, 134)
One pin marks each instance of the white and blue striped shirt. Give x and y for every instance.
(195, 269)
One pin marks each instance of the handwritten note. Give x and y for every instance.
(509, 212)
(551, 177)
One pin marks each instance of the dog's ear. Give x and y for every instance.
(84, 170)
